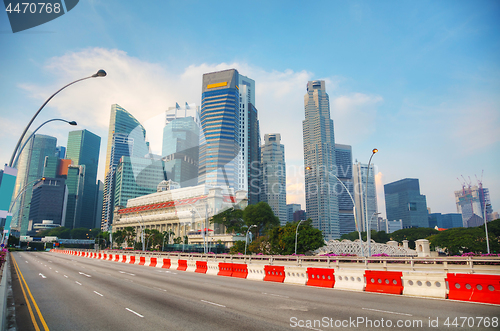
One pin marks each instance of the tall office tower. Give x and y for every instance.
(343, 157)
(274, 175)
(319, 161)
(249, 156)
(446, 221)
(98, 203)
(61, 152)
(126, 137)
(290, 209)
(219, 142)
(83, 150)
(471, 203)
(360, 186)
(403, 201)
(30, 169)
(180, 150)
(128, 186)
(48, 201)
(75, 180)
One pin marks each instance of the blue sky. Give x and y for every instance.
(419, 80)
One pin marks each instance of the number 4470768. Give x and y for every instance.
(460, 322)
(34, 7)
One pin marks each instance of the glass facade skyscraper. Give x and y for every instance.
(403, 201)
(360, 194)
(180, 149)
(83, 150)
(219, 143)
(274, 175)
(126, 137)
(343, 157)
(30, 169)
(319, 161)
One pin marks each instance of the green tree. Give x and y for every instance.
(282, 239)
(129, 235)
(261, 215)
(167, 235)
(118, 237)
(457, 241)
(238, 247)
(231, 218)
(178, 240)
(59, 232)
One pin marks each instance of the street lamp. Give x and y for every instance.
(368, 230)
(142, 230)
(27, 140)
(100, 73)
(296, 234)
(354, 213)
(246, 237)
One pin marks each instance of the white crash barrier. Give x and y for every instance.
(174, 264)
(255, 271)
(295, 275)
(424, 284)
(191, 265)
(212, 268)
(346, 279)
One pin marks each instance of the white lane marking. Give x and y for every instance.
(26, 261)
(78, 283)
(123, 272)
(130, 310)
(57, 271)
(50, 268)
(275, 295)
(389, 312)
(213, 303)
(160, 289)
(307, 327)
(40, 274)
(65, 276)
(81, 273)
(98, 293)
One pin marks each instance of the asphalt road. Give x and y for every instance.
(76, 293)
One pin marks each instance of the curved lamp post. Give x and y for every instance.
(296, 234)
(246, 237)
(368, 230)
(27, 140)
(354, 213)
(100, 73)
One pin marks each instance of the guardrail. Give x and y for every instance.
(468, 264)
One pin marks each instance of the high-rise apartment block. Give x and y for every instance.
(403, 201)
(319, 161)
(126, 137)
(343, 157)
(274, 175)
(365, 204)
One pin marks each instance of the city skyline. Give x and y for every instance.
(426, 96)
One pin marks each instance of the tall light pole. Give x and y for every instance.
(354, 213)
(142, 230)
(368, 230)
(486, 226)
(100, 73)
(370, 240)
(296, 234)
(27, 140)
(246, 237)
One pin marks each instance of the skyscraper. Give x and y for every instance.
(274, 175)
(83, 150)
(180, 149)
(360, 187)
(472, 201)
(343, 157)
(403, 201)
(291, 208)
(249, 156)
(319, 161)
(30, 169)
(126, 137)
(219, 144)
(49, 201)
